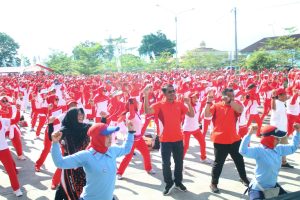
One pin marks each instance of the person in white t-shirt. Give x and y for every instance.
(131, 115)
(5, 155)
(191, 127)
(293, 108)
(279, 117)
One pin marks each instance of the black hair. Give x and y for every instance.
(224, 92)
(165, 87)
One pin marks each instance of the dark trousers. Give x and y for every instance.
(221, 152)
(60, 194)
(176, 149)
(257, 195)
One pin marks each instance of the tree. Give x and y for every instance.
(285, 48)
(260, 60)
(156, 44)
(60, 62)
(8, 51)
(204, 59)
(109, 49)
(87, 56)
(132, 63)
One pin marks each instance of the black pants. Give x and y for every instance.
(60, 194)
(176, 149)
(221, 152)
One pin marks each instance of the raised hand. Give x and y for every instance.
(56, 136)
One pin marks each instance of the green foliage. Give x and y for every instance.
(131, 62)
(260, 59)
(87, 57)
(156, 44)
(285, 49)
(109, 49)
(8, 51)
(200, 59)
(60, 62)
(163, 62)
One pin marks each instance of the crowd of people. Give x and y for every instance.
(84, 117)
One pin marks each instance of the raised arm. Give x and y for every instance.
(68, 162)
(245, 150)
(236, 107)
(209, 103)
(190, 112)
(147, 108)
(287, 149)
(125, 149)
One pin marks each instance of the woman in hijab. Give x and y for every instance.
(268, 158)
(98, 160)
(74, 138)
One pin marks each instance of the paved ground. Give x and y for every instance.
(137, 184)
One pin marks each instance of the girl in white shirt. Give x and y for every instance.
(191, 127)
(5, 155)
(279, 117)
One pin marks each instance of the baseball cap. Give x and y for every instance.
(102, 129)
(272, 131)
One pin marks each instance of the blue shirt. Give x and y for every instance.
(268, 161)
(100, 169)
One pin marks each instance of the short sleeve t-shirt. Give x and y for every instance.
(224, 121)
(170, 114)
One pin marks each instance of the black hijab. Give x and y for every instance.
(74, 133)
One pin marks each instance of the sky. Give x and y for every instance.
(41, 26)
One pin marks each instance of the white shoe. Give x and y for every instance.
(207, 161)
(18, 193)
(119, 177)
(37, 137)
(21, 157)
(151, 172)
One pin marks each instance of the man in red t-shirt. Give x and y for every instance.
(170, 112)
(224, 135)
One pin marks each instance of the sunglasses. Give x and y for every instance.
(56, 99)
(4, 101)
(171, 91)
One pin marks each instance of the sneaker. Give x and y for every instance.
(37, 137)
(168, 189)
(151, 172)
(32, 130)
(181, 187)
(206, 161)
(119, 177)
(21, 157)
(18, 193)
(214, 188)
(287, 165)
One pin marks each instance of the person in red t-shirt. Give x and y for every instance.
(224, 136)
(170, 112)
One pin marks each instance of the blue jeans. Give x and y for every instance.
(176, 149)
(257, 195)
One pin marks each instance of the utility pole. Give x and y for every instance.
(176, 32)
(235, 36)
